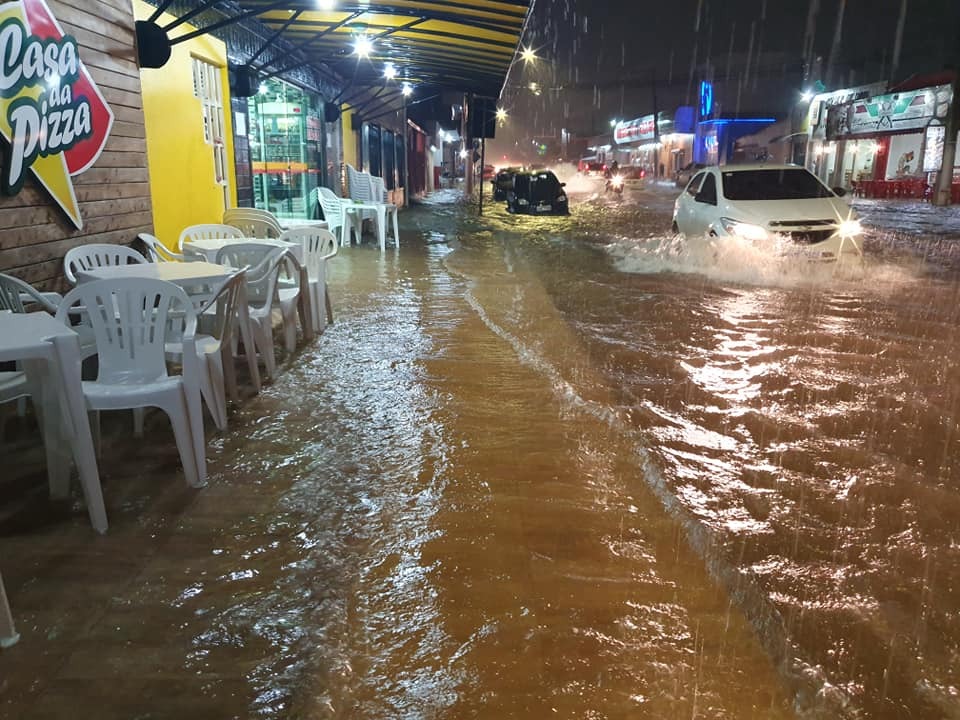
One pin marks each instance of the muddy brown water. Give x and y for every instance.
(538, 468)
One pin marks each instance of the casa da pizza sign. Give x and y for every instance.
(52, 116)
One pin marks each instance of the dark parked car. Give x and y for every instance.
(503, 182)
(537, 193)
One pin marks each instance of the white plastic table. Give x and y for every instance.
(185, 274)
(50, 353)
(209, 247)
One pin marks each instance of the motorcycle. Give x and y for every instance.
(614, 185)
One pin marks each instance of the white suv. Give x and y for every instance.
(760, 202)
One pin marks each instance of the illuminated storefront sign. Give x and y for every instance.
(897, 112)
(706, 100)
(633, 130)
(52, 116)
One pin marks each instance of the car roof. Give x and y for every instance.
(758, 166)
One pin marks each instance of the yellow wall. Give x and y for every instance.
(349, 138)
(182, 178)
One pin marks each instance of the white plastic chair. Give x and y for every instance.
(340, 213)
(253, 222)
(208, 232)
(88, 257)
(214, 347)
(386, 211)
(17, 296)
(264, 264)
(319, 245)
(157, 251)
(130, 318)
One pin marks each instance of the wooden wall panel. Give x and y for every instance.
(114, 194)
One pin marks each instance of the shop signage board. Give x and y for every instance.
(892, 113)
(53, 119)
(629, 131)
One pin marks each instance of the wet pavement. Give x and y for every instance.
(536, 468)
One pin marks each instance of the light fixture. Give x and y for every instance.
(501, 114)
(363, 46)
(528, 54)
(263, 88)
(326, 4)
(613, 123)
(807, 96)
(406, 89)
(464, 153)
(389, 71)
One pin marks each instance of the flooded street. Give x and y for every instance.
(538, 467)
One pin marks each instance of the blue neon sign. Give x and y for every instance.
(706, 100)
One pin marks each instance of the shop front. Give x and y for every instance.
(292, 149)
(886, 144)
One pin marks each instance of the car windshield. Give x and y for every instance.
(785, 184)
(545, 187)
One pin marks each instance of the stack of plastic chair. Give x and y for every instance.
(130, 320)
(88, 257)
(208, 232)
(253, 222)
(319, 245)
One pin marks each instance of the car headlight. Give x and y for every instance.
(849, 228)
(742, 229)
(561, 198)
(523, 201)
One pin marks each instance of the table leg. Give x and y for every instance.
(67, 361)
(50, 409)
(8, 634)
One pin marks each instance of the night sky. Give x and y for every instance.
(602, 58)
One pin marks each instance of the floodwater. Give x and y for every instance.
(563, 467)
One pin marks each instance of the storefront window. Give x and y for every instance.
(286, 148)
(389, 160)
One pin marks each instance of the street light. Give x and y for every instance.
(528, 55)
(406, 89)
(501, 115)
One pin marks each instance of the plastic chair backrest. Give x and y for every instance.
(378, 189)
(262, 265)
(12, 292)
(359, 184)
(253, 222)
(208, 232)
(156, 250)
(224, 304)
(319, 245)
(332, 206)
(88, 257)
(130, 317)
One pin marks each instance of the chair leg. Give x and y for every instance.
(326, 298)
(263, 344)
(229, 372)
(138, 416)
(289, 317)
(396, 228)
(179, 416)
(249, 347)
(382, 227)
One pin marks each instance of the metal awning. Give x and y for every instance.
(434, 45)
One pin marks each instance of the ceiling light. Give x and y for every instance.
(363, 46)
(501, 114)
(528, 55)
(389, 71)
(407, 89)
(326, 4)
